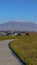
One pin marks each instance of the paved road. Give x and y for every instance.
(6, 58)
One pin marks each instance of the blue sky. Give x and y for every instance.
(18, 10)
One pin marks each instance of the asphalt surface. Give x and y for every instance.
(6, 58)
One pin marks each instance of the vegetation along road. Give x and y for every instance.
(26, 48)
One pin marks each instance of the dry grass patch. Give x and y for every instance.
(26, 48)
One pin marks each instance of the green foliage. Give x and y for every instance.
(7, 37)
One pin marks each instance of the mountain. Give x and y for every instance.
(19, 26)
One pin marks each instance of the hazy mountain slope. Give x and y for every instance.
(15, 26)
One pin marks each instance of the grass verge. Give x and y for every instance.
(7, 37)
(26, 48)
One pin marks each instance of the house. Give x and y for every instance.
(6, 33)
(16, 33)
(27, 34)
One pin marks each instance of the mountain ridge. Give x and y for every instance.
(19, 26)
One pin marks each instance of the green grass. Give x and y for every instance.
(7, 37)
(26, 48)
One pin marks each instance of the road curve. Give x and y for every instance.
(6, 58)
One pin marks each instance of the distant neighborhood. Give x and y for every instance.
(13, 33)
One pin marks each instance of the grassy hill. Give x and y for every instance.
(26, 48)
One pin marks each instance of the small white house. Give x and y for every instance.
(15, 34)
